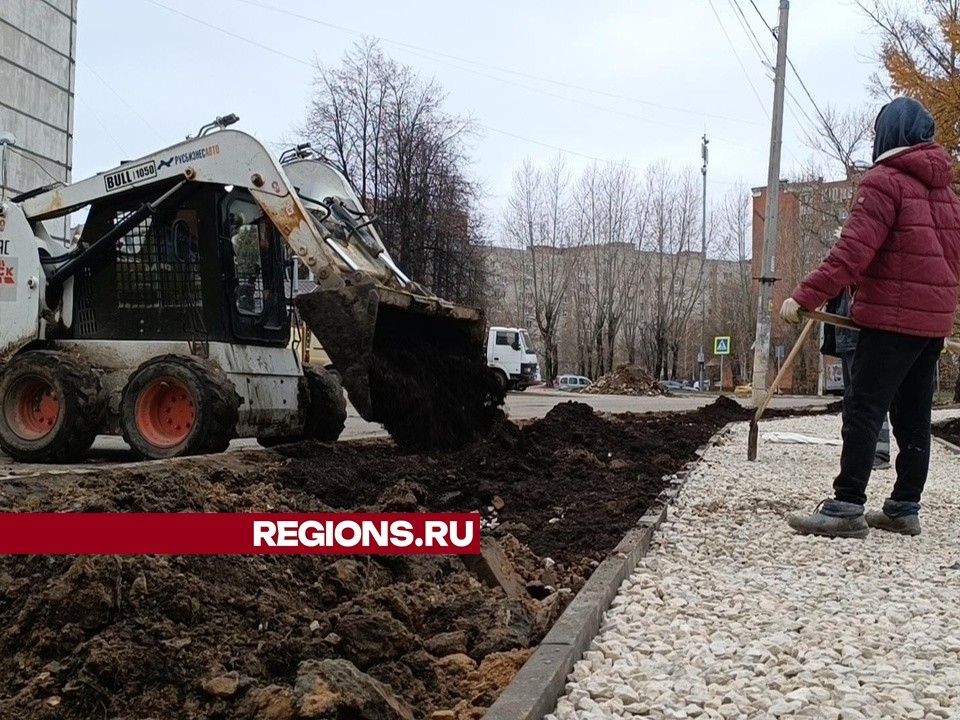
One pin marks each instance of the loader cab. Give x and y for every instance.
(208, 266)
(254, 261)
(160, 282)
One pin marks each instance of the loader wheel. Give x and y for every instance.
(326, 413)
(52, 407)
(178, 405)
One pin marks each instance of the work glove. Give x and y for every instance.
(790, 311)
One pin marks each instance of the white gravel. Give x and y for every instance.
(731, 615)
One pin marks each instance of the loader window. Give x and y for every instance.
(158, 262)
(258, 292)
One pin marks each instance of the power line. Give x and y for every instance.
(762, 18)
(565, 98)
(102, 125)
(23, 155)
(232, 34)
(308, 64)
(509, 82)
(511, 71)
(762, 55)
(823, 119)
(794, 105)
(737, 56)
(803, 85)
(547, 93)
(121, 99)
(748, 28)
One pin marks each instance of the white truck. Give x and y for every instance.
(512, 357)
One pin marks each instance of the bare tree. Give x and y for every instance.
(919, 49)
(384, 127)
(537, 221)
(606, 227)
(677, 269)
(844, 137)
(633, 279)
(734, 310)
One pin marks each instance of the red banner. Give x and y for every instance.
(239, 533)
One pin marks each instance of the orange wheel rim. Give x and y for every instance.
(32, 408)
(165, 413)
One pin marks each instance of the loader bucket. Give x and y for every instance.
(412, 363)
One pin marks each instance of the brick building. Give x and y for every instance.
(811, 212)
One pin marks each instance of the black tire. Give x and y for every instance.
(51, 407)
(176, 405)
(326, 409)
(502, 380)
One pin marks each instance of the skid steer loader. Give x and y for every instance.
(168, 321)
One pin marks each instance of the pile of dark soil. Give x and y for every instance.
(626, 380)
(949, 431)
(248, 636)
(428, 397)
(568, 485)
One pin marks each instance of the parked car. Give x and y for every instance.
(672, 385)
(573, 383)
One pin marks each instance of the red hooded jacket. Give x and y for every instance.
(900, 247)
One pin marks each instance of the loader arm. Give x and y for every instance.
(228, 157)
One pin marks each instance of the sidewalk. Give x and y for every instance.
(733, 616)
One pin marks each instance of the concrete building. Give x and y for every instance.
(38, 40)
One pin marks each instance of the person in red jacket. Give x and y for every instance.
(900, 249)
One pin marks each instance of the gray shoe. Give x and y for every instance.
(897, 517)
(881, 464)
(832, 518)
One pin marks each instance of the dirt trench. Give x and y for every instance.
(327, 636)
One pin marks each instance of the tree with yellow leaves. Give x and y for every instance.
(920, 54)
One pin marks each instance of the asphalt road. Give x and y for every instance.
(520, 406)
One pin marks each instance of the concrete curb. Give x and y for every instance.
(538, 685)
(947, 444)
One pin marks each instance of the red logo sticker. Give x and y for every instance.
(6, 274)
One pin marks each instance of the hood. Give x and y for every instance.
(903, 122)
(928, 163)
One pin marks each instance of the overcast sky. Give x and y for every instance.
(151, 71)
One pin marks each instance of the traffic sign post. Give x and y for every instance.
(721, 347)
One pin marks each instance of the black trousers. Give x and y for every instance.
(892, 371)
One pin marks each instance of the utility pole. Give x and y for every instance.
(761, 353)
(701, 357)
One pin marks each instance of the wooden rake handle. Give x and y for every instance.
(845, 322)
(794, 351)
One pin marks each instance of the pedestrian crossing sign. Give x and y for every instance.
(721, 345)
